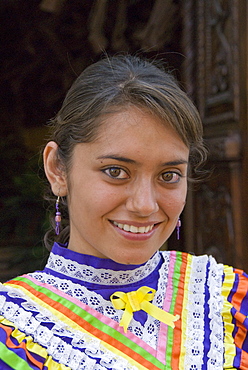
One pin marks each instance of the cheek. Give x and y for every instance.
(173, 202)
(107, 201)
(94, 199)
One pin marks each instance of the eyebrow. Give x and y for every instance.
(117, 158)
(175, 163)
(128, 160)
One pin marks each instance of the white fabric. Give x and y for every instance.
(30, 318)
(89, 274)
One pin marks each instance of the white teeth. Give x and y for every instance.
(126, 227)
(134, 229)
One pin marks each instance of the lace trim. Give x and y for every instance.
(90, 298)
(194, 335)
(77, 354)
(216, 351)
(194, 343)
(32, 319)
(152, 326)
(90, 274)
(148, 333)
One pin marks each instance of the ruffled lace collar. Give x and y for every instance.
(96, 270)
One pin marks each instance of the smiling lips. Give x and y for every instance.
(134, 229)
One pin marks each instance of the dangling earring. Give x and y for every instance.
(57, 217)
(178, 228)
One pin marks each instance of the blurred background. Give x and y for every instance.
(44, 46)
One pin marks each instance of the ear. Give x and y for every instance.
(53, 169)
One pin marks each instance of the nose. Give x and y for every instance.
(142, 199)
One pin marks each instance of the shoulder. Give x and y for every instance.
(235, 290)
(222, 292)
(25, 327)
(235, 316)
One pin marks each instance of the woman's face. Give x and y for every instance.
(127, 189)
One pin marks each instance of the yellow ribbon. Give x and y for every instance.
(140, 300)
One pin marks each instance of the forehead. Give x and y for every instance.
(120, 117)
(136, 128)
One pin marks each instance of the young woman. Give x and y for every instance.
(118, 159)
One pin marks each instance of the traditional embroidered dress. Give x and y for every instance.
(62, 318)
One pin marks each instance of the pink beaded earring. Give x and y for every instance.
(57, 217)
(178, 228)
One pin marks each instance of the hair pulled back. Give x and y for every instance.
(117, 82)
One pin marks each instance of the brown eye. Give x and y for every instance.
(116, 173)
(171, 177)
